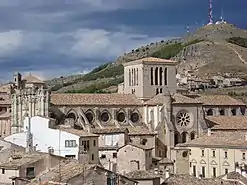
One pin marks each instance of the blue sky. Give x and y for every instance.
(51, 38)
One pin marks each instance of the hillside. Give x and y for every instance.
(210, 50)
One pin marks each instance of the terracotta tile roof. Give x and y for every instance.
(139, 130)
(32, 79)
(95, 99)
(142, 175)
(185, 179)
(158, 100)
(5, 99)
(181, 99)
(80, 133)
(22, 158)
(219, 100)
(236, 176)
(109, 130)
(220, 139)
(143, 147)
(228, 122)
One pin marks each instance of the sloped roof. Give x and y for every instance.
(228, 122)
(32, 79)
(219, 100)
(94, 99)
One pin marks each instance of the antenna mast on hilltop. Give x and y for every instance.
(210, 12)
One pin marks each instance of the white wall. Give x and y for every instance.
(5, 178)
(44, 137)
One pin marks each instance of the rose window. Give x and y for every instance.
(183, 119)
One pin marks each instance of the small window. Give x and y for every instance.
(243, 156)
(194, 171)
(213, 153)
(70, 143)
(202, 153)
(103, 156)
(3, 171)
(94, 142)
(114, 155)
(92, 157)
(13, 183)
(214, 172)
(203, 171)
(225, 154)
(226, 171)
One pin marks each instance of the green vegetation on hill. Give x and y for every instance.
(172, 50)
(238, 41)
(98, 87)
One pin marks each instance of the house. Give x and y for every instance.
(22, 167)
(213, 155)
(133, 157)
(63, 141)
(110, 140)
(74, 173)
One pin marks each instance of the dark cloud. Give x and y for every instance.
(59, 37)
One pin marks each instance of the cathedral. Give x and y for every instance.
(148, 100)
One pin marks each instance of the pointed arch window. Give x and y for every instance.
(156, 76)
(137, 76)
(161, 74)
(165, 76)
(129, 77)
(152, 77)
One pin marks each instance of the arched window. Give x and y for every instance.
(134, 76)
(156, 76)
(192, 135)
(165, 76)
(160, 74)
(184, 137)
(176, 138)
(222, 112)
(152, 77)
(137, 76)
(129, 77)
(234, 112)
(242, 109)
(210, 112)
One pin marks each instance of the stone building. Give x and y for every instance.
(146, 99)
(29, 98)
(5, 114)
(214, 154)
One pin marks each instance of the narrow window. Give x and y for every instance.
(137, 76)
(226, 171)
(203, 171)
(92, 157)
(194, 170)
(156, 76)
(202, 153)
(134, 76)
(129, 77)
(161, 90)
(152, 77)
(213, 153)
(165, 76)
(94, 142)
(157, 91)
(214, 172)
(3, 171)
(243, 156)
(225, 154)
(160, 74)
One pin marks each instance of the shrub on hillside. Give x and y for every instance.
(238, 41)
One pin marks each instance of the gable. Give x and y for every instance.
(202, 162)
(225, 163)
(213, 162)
(193, 161)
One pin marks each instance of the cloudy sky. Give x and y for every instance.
(51, 38)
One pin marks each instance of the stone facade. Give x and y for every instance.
(29, 98)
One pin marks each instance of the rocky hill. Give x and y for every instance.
(210, 50)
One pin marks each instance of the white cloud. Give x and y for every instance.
(10, 42)
(99, 42)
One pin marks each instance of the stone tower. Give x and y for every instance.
(29, 97)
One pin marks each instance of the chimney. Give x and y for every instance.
(209, 132)
(167, 173)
